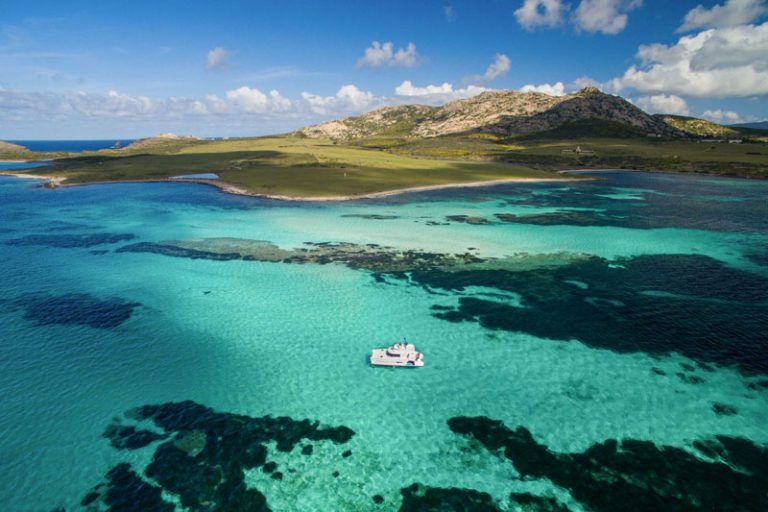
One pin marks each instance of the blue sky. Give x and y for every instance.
(117, 69)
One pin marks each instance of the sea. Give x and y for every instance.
(588, 345)
(70, 146)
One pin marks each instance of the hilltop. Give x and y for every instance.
(160, 140)
(698, 127)
(10, 148)
(500, 113)
(497, 136)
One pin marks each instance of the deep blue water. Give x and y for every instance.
(599, 345)
(71, 146)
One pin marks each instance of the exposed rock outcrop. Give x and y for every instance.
(500, 112)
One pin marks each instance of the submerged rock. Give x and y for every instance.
(129, 437)
(532, 503)
(125, 491)
(192, 443)
(467, 219)
(724, 409)
(204, 463)
(635, 475)
(421, 498)
(70, 241)
(699, 303)
(75, 309)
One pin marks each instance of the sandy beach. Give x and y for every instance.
(59, 182)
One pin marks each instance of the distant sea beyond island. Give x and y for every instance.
(70, 146)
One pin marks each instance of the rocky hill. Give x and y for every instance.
(163, 138)
(8, 147)
(500, 112)
(698, 127)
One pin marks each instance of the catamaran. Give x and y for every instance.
(399, 354)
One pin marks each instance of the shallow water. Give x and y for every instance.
(88, 333)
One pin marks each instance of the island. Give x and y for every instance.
(495, 137)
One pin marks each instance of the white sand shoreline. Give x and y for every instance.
(59, 182)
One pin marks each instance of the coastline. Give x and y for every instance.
(59, 182)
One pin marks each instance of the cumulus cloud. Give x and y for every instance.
(217, 58)
(722, 116)
(348, 99)
(556, 89)
(605, 16)
(243, 102)
(379, 55)
(252, 100)
(437, 93)
(729, 14)
(498, 68)
(540, 13)
(585, 81)
(730, 61)
(663, 104)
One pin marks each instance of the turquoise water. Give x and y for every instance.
(261, 338)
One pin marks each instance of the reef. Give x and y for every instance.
(370, 216)
(724, 409)
(75, 309)
(564, 217)
(656, 304)
(633, 474)
(130, 437)
(70, 241)
(527, 502)
(468, 219)
(202, 458)
(125, 491)
(421, 498)
(367, 257)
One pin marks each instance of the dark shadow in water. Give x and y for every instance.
(636, 475)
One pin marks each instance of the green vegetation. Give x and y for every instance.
(699, 127)
(286, 166)
(556, 149)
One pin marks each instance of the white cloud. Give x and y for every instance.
(584, 81)
(379, 55)
(557, 89)
(606, 16)
(408, 89)
(252, 100)
(245, 102)
(540, 13)
(731, 13)
(663, 104)
(499, 67)
(434, 94)
(722, 116)
(348, 99)
(449, 12)
(730, 61)
(217, 58)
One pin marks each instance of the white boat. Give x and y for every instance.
(399, 354)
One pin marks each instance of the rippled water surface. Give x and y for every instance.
(554, 318)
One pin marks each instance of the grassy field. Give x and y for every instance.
(746, 160)
(302, 167)
(286, 166)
